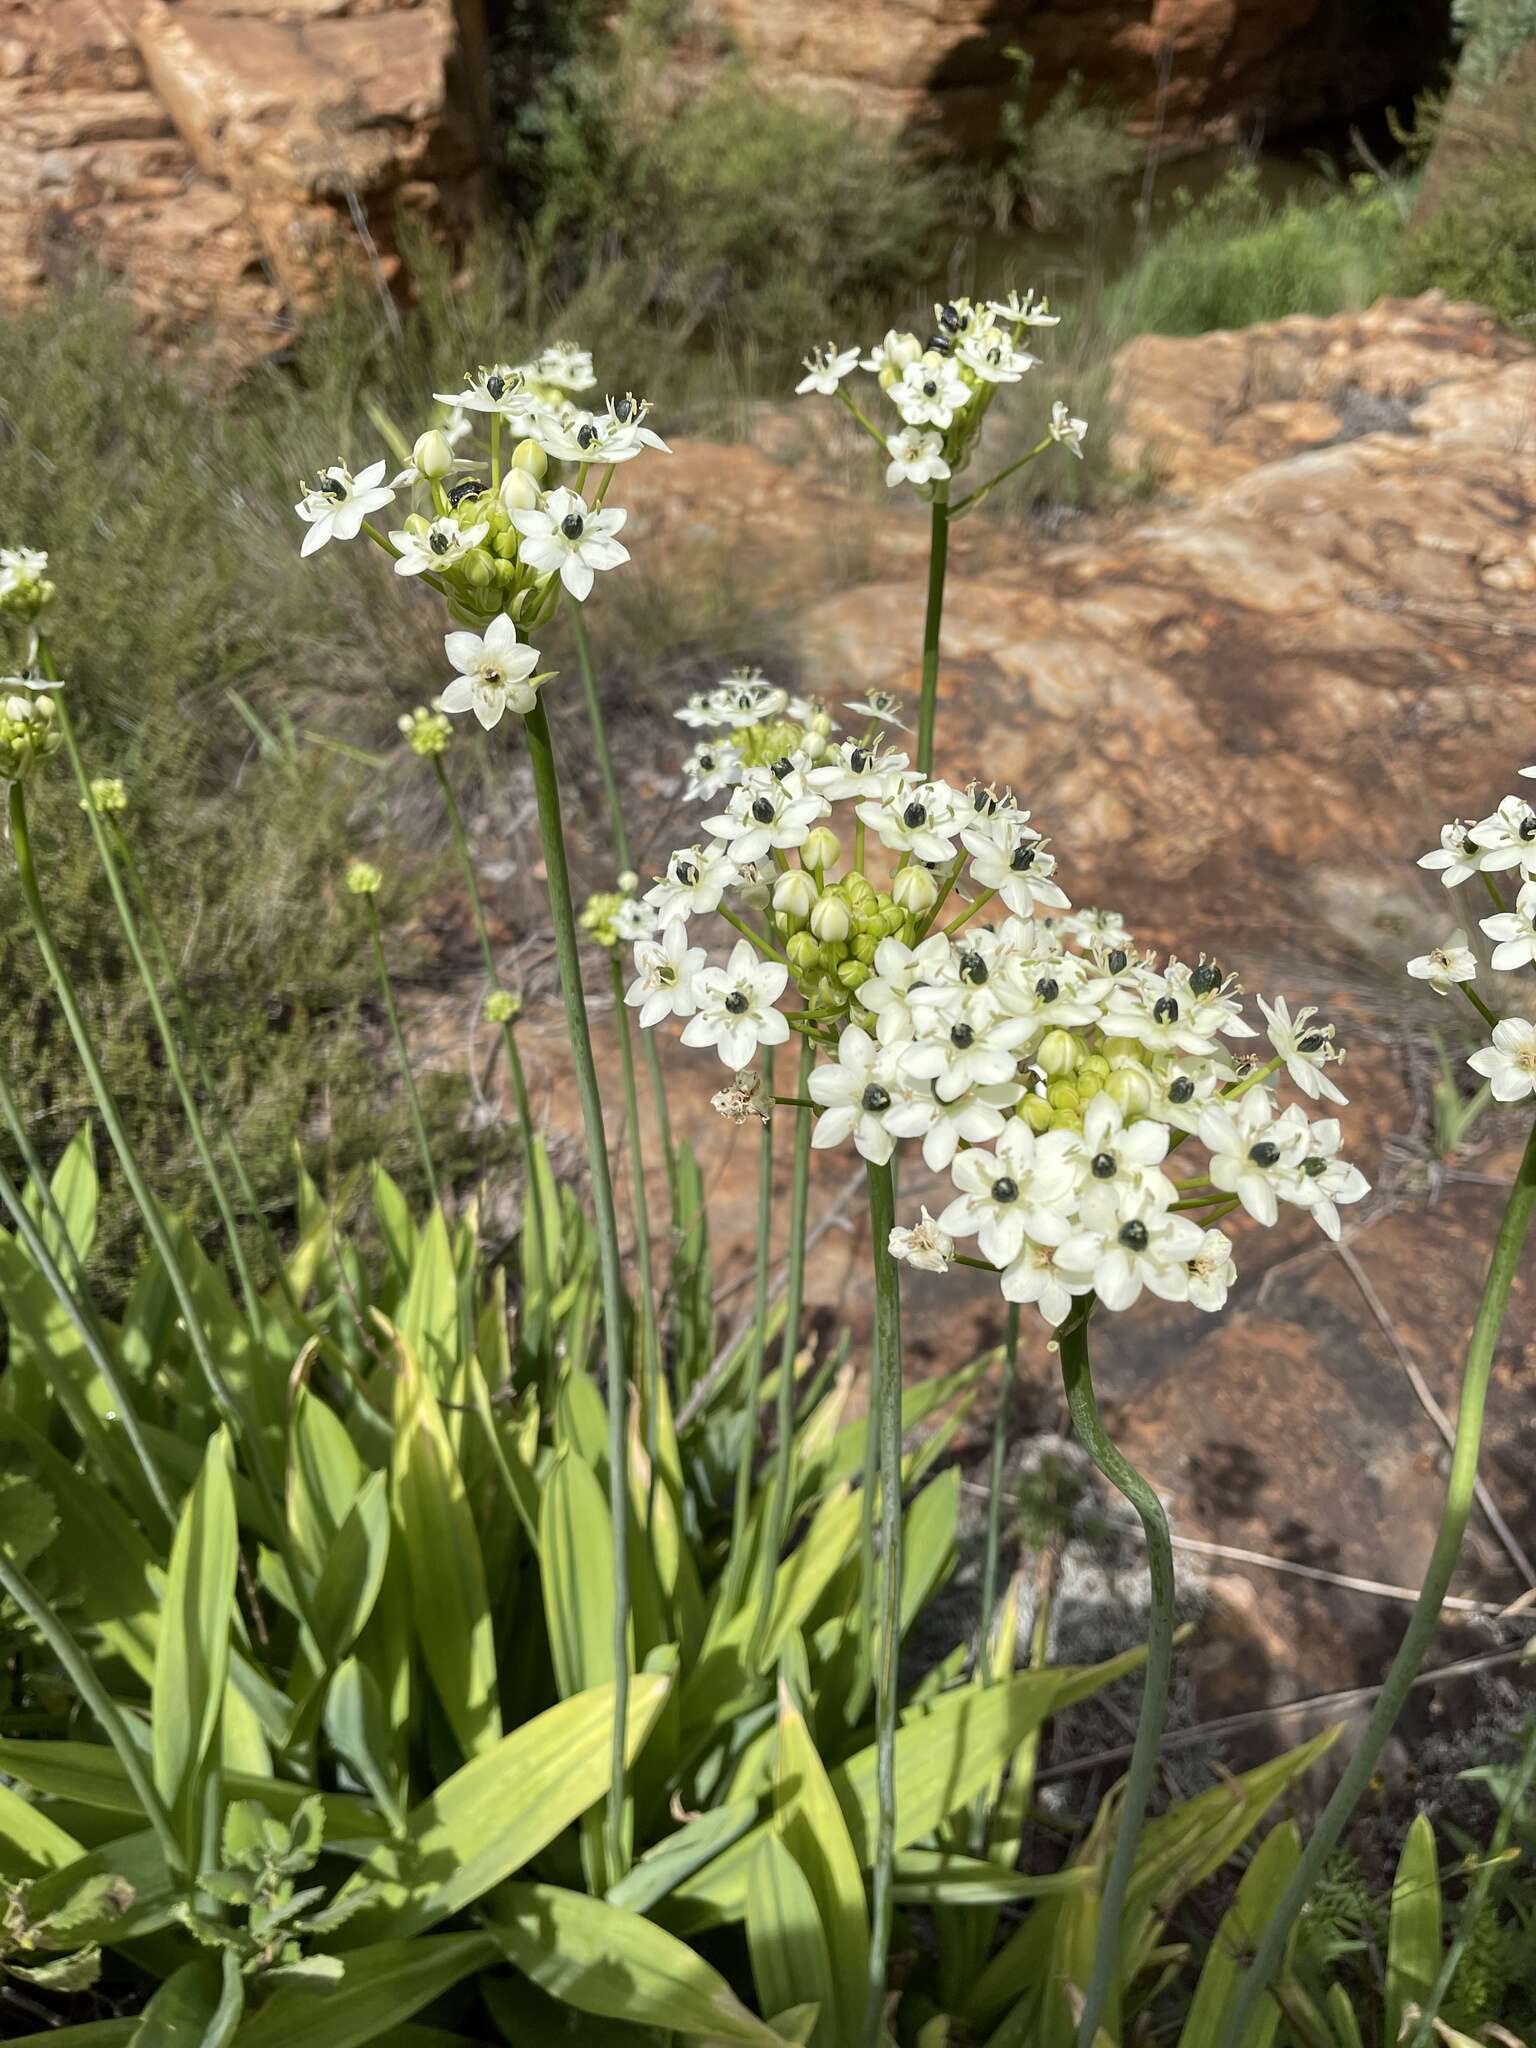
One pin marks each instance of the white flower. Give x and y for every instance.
(826, 368)
(1037, 1278)
(894, 353)
(444, 543)
(1509, 1064)
(930, 392)
(1325, 1179)
(1101, 927)
(853, 770)
(1115, 1159)
(712, 766)
(970, 1045)
(635, 919)
(916, 458)
(1507, 838)
(1211, 1273)
(1515, 931)
(927, 1246)
(910, 816)
(974, 1118)
(1017, 866)
(994, 358)
(334, 510)
(499, 390)
(30, 679)
(768, 810)
(563, 537)
(735, 1006)
(1253, 1155)
(493, 672)
(1014, 1194)
(1024, 311)
(1144, 1247)
(880, 707)
(1444, 965)
(1456, 857)
(667, 970)
(696, 879)
(1182, 1087)
(1068, 431)
(898, 969)
(563, 365)
(616, 435)
(1305, 1047)
(854, 1095)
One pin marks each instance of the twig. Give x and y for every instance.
(1435, 1412)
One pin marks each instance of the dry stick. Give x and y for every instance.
(1425, 1619)
(1436, 1414)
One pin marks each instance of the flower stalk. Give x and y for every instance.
(789, 1345)
(650, 1336)
(1425, 1619)
(1077, 1379)
(933, 620)
(887, 1416)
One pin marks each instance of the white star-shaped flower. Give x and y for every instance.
(444, 543)
(339, 503)
(736, 1011)
(926, 1245)
(1068, 431)
(1443, 966)
(916, 457)
(825, 369)
(564, 538)
(1509, 1064)
(667, 970)
(1514, 931)
(493, 672)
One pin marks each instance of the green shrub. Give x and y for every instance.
(1235, 257)
(1064, 166)
(1480, 245)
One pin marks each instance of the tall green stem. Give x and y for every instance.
(938, 561)
(1425, 1619)
(789, 1347)
(546, 787)
(750, 1420)
(148, 1207)
(1086, 1420)
(992, 1551)
(82, 1675)
(882, 1218)
(168, 1039)
(16, 1124)
(650, 1339)
(413, 1100)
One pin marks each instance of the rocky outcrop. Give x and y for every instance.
(1191, 72)
(222, 156)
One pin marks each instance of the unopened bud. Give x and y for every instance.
(852, 973)
(519, 492)
(794, 893)
(363, 878)
(1131, 1088)
(1058, 1054)
(830, 919)
(1037, 1113)
(803, 953)
(822, 848)
(1062, 1095)
(530, 458)
(501, 1006)
(476, 569)
(914, 890)
(1117, 1049)
(432, 455)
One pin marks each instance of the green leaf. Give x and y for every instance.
(356, 1723)
(325, 1475)
(192, 1657)
(449, 1603)
(384, 1985)
(94, 2034)
(662, 1868)
(1341, 2017)
(200, 2006)
(74, 1190)
(1234, 1942)
(354, 1571)
(616, 1965)
(428, 1322)
(942, 1877)
(500, 1810)
(785, 1937)
(29, 1840)
(1413, 1928)
(810, 1822)
(576, 1573)
(394, 1220)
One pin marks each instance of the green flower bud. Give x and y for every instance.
(860, 895)
(107, 796)
(915, 890)
(1037, 1113)
(1115, 1049)
(476, 569)
(501, 1006)
(519, 492)
(504, 546)
(822, 849)
(29, 733)
(530, 458)
(833, 953)
(803, 953)
(1058, 1053)
(830, 919)
(1131, 1087)
(433, 455)
(427, 732)
(363, 878)
(1094, 1068)
(893, 922)
(865, 947)
(794, 894)
(853, 973)
(1062, 1095)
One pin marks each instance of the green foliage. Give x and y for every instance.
(1235, 257)
(1063, 166)
(1480, 243)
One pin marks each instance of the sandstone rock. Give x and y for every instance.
(1192, 72)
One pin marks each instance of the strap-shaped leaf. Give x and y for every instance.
(192, 1655)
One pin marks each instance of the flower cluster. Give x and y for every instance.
(1501, 850)
(363, 878)
(942, 387)
(498, 540)
(426, 732)
(29, 727)
(1044, 1061)
(25, 587)
(747, 722)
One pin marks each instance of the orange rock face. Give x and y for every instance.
(1192, 71)
(223, 155)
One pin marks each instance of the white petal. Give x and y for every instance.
(464, 650)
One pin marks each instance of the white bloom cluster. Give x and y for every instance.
(745, 721)
(1502, 844)
(499, 539)
(1042, 1060)
(941, 387)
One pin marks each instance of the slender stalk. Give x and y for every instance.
(650, 1338)
(168, 1039)
(938, 559)
(148, 1207)
(1086, 1420)
(82, 1675)
(1425, 1619)
(515, 1068)
(36, 1248)
(567, 956)
(994, 1537)
(751, 1400)
(413, 1100)
(882, 1218)
(1478, 1004)
(789, 1345)
(15, 1123)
